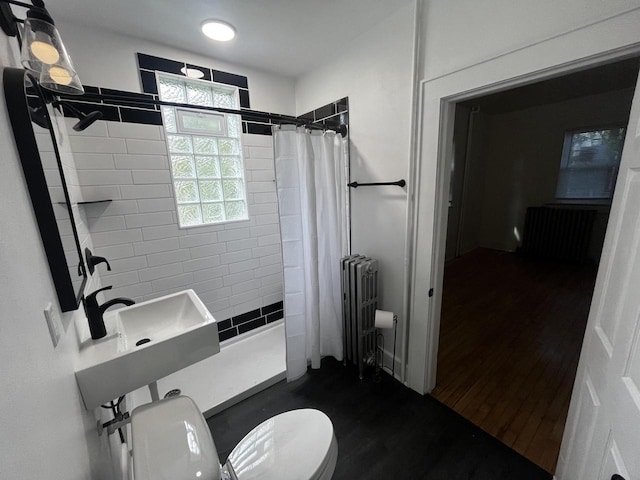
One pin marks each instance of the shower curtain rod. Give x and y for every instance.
(281, 119)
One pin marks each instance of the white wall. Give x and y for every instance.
(463, 33)
(522, 162)
(46, 431)
(234, 268)
(106, 59)
(375, 72)
(473, 189)
(464, 49)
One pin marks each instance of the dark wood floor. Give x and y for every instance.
(510, 338)
(384, 431)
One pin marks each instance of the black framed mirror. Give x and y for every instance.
(44, 174)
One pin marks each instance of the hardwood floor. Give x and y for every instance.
(384, 430)
(510, 338)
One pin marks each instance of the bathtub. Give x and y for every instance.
(245, 365)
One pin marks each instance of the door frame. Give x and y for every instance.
(428, 248)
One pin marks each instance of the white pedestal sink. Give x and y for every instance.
(144, 342)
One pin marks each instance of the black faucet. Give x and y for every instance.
(93, 260)
(95, 312)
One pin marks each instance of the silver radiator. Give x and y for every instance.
(360, 299)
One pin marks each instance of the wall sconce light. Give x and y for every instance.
(42, 51)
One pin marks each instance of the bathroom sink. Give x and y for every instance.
(144, 342)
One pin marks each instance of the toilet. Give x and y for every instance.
(171, 441)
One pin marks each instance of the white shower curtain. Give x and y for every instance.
(311, 179)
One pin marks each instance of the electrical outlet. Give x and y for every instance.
(53, 322)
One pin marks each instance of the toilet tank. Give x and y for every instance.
(170, 440)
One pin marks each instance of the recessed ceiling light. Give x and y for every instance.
(218, 30)
(192, 72)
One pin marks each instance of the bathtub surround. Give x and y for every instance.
(235, 268)
(230, 376)
(311, 173)
(135, 176)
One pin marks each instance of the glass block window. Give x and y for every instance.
(590, 162)
(205, 151)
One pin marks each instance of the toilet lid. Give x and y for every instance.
(295, 445)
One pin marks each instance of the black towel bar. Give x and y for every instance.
(399, 183)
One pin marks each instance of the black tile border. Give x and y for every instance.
(245, 317)
(253, 324)
(133, 107)
(227, 334)
(307, 117)
(148, 80)
(224, 324)
(272, 308)
(148, 65)
(150, 62)
(234, 326)
(230, 79)
(272, 317)
(244, 98)
(330, 113)
(136, 115)
(325, 111)
(257, 128)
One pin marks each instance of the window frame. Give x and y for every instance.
(233, 90)
(189, 131)
(564, 161)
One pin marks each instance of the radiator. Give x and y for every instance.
(558, 233)
(360, 299)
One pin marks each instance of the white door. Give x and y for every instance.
(602, 434)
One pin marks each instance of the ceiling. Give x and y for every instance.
(286, 37)
(606, 78)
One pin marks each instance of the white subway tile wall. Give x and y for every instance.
(235, 268)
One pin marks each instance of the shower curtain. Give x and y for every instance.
(311, 178)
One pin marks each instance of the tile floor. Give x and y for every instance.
(384, 430)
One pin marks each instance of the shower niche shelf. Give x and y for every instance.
(90, 202)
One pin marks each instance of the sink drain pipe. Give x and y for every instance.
(153, 389)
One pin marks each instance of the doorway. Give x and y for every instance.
(517, 289)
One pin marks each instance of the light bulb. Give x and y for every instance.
(45, 52)
(60, 75)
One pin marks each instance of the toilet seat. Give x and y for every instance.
(295, 445)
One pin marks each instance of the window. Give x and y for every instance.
(590, 162)
(199, 122)
(205, 151)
